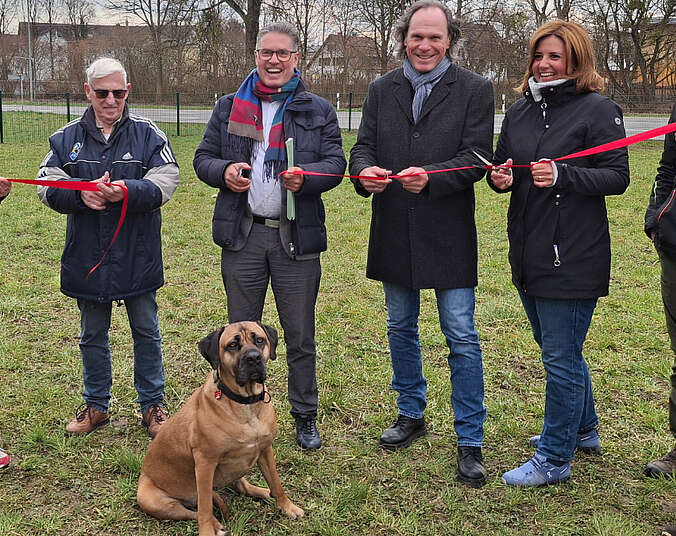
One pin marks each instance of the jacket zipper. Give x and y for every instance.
(666, 207)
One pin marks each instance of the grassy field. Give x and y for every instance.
(84, 486)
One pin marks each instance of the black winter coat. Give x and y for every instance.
(661, 214)
(425, 240)
(311, 121)
(570, 217)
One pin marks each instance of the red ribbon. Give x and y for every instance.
(84, 186)
(617, 144)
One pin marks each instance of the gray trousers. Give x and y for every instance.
(668, 281)
(295, 285)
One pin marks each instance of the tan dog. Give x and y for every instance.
(225, 427)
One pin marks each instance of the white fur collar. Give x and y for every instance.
(537, 87)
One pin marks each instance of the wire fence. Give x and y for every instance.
(26, 121)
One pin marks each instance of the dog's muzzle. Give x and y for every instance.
(251, 367)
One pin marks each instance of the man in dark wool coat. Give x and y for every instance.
(427, 115)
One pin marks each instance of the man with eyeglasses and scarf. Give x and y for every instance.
(112, 147)
(243, 155)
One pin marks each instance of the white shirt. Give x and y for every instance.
(265, 196)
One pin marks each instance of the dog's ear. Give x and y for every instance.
(209, 347)
(272, 339)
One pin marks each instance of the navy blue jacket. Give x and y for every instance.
(571, 215)
(311, 121)
(137, 152)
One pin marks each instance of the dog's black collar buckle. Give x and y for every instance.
(225, 390)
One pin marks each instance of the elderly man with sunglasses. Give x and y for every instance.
(113, 148)
(243, 155)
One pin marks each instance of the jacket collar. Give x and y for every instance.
(403, 92)
(88, 120)
(554, 95)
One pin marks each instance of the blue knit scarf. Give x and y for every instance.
(423, 83)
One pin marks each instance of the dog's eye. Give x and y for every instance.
(233, 345)
(260, 341)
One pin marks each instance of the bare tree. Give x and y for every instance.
(51, 9)
(305, 15)
(162, 18)
(79, 14)
(635, 44)
(379, 18)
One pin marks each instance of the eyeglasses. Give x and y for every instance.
(117, 93)
(282, 55)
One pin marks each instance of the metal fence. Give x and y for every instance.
(24, 121)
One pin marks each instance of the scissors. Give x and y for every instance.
(483, 160)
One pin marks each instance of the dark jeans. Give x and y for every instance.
(95, 349)
(560, 329)
(669, 300)
(295, 285)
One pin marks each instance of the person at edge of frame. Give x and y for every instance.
(557, 224)
(110, 146)
(5, 188)
(660, 228)
(242, 154)
(429, 114)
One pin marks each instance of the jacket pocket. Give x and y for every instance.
(309, 232)
(227, 219)
(665, 231)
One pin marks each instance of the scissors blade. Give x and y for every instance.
(482, 158)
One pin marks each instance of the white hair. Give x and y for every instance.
(102, 67)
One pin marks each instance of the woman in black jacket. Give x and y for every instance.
(558, 230)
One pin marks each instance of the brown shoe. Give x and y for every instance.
(153, 419)
(87, 419)
(665, 466)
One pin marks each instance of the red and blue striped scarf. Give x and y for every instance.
(246, 116)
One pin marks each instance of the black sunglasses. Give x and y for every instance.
(103, 93)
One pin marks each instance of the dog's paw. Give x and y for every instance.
(293, 511)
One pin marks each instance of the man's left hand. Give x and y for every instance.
(293, 180)
(111, 192)
(413, 183)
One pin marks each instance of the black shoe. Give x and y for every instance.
(402, 433)
(669, 531)
(471, 470)
(307, 435)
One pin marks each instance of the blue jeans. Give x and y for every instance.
(560, 329)
(456, 316)
(95, 349)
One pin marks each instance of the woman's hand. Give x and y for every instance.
(501, 177)
(543, 174)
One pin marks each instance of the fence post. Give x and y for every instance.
(349, 113)
(178, 113)
(2, 135)
(67, 107)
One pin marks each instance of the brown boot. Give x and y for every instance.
(153, 419)
(665, 466)
(87, 419)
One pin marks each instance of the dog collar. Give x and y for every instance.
(225, 390)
